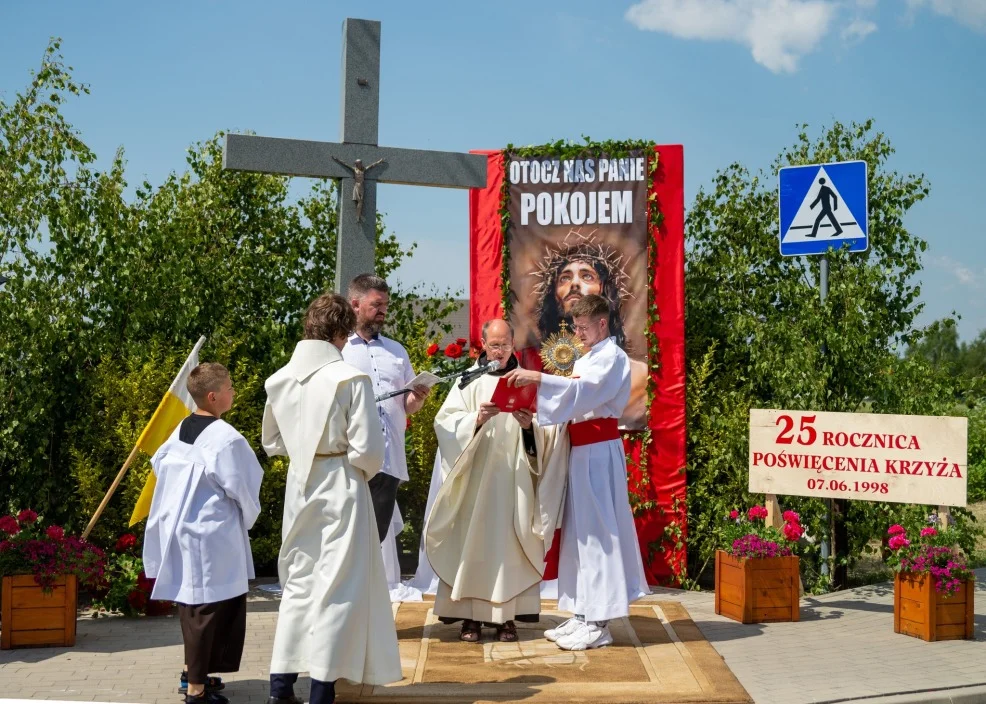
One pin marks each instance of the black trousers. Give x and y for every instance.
(383, 491)
(282, 687)
(213, 635)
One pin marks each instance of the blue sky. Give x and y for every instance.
(729, 79)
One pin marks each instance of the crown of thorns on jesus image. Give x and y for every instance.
(606, 261)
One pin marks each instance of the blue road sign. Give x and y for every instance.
(823, 206)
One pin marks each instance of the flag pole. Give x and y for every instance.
(109, 493)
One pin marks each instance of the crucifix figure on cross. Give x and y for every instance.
(359, 175)
(357, 223)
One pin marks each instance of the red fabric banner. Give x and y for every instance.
(661, 527)
(485, 249)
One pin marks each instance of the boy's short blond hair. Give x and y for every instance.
(208, 376)
(591, 306)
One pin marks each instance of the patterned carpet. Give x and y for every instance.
(659, 655)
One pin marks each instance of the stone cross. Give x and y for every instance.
(358, 162)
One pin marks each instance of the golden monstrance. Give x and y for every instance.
(560, 350)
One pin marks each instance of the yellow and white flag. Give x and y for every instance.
(176, 405)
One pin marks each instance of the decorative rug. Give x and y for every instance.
(658, 655)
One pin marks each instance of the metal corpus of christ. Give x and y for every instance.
(358, 162)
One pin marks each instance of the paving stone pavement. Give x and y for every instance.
(844, 648)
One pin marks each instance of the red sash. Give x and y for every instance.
(585, 433)
(589, 432)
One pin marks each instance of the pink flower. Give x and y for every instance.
(756, 512)
(55, 532)
(928, 532)
(791, 517)
(27, 516)
(895, 529)
(734, 514)
(793, 531)
(898, 541)
(9, 525)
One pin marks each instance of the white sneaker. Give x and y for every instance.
(567, 628)
(587, 637)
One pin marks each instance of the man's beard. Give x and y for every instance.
(565, 305)
(370, 328)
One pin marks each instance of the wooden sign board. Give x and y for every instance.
(861, 456)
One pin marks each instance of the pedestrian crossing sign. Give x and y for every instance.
(822, 207)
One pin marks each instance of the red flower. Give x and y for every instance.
(137, 600)
(460, 341)
(928, 532)
(734, 514)
(9, 525)
(27, 516)
(895, 529)
(453, 351)
(55, 532)
(756, 512)
(432, 349)
(898, 541)
(793, 531)
(791, 517)
(144, 584)
(126, 541)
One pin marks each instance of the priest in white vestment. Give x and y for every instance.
(484, 534)
(600, 571)
(335, 619)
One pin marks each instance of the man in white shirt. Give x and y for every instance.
(387, 364)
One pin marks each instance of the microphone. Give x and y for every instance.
(391, 394)
(466, 376)
(471, 374)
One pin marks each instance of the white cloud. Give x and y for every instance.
(858, 30)
(971, 13)
(777, 32)
(961, 273)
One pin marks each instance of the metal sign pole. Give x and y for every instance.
(823, 284)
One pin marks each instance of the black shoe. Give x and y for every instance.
(207, 698)
(212, 684)
(284, 700)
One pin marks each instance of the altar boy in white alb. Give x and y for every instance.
(196, 544)
(599, 569)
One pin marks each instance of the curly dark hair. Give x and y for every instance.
(328, 317)
(550, 316)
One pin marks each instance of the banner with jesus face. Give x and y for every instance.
(579, 227)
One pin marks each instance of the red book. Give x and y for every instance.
(512, 398)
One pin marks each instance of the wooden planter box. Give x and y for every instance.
(921, 611)
(753, 590)
(32, 618)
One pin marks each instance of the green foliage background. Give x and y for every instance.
(756, 328)
(107, 294)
